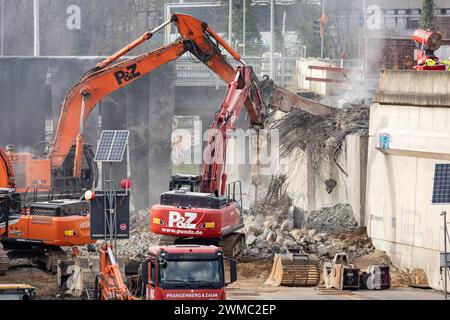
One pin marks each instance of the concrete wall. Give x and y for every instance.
(409, 134)
(145, 107)
(308, 190)
(319, 87)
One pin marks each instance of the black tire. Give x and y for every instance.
(4, 261)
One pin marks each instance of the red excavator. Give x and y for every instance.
(205, 209)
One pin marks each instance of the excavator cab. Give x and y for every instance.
(9, 204)
(190, 181)
(63, 179)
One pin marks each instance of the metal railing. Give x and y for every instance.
(190, 73)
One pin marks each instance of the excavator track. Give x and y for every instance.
(233, 245)
(4, 261)
(51, 260)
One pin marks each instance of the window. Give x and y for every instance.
(412, 23)
(191, 274)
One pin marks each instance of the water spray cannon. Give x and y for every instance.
(427, 42)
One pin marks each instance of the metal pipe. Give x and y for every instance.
(3, 27)
(445, 254)
(244, 3)
(36, 47)
(146, 36)
(272, 39)
(230, 22)
(322, 35)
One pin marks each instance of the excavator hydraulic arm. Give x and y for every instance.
(196, 37)
(6, 171)
(106, 78)
(94, 86)
(110, 281)
(243, 89)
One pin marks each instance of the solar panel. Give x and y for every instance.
(441, 185)
(111, 145)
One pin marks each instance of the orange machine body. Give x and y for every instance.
(53, 231)
(30, 172)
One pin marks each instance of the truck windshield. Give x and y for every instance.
(191, 274)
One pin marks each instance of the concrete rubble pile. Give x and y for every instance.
(276, 228)
(337, 218)
(140, 239)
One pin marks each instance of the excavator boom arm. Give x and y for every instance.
(243, 90)
(196, 37)
(97, 85)
(6, 171)
(111, 284)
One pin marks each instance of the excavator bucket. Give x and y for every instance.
(293, 270)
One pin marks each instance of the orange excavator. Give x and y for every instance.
(221, 215)
(39, 230)
(109, 283)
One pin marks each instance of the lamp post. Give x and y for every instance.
(243, 27)
(230, 23)
(272, 40)
(36, 48)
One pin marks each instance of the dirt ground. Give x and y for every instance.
(44, 282)
(252, 273)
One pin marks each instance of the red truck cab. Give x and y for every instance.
(186, 272)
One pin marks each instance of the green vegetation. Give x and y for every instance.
(427, 18)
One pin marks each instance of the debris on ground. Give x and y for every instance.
(274, 225)
(414, 277)
(338, 218)
(141, 239)
(44, 282)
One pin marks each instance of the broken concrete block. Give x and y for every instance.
(250, 239)
(296, 234)
(275, 248)
(272, 236)
(289, 243)
(280, 240)
(269, 223)
(287, 225)
(311, 233)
